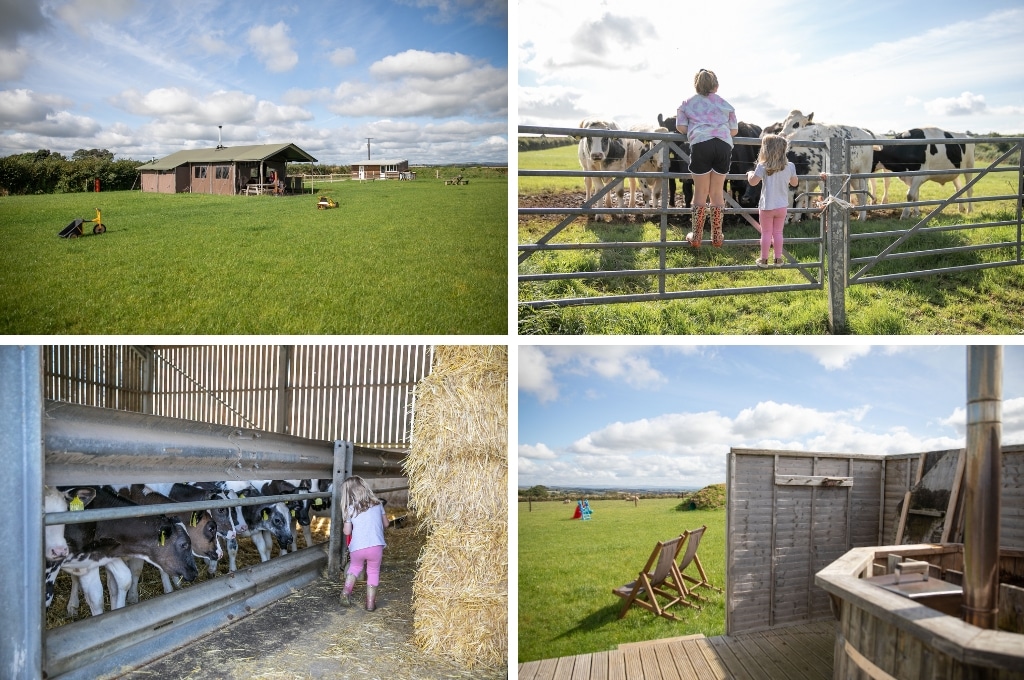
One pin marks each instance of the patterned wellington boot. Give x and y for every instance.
(717, 238)
(371, 598)
(700, 212)
(346, 595)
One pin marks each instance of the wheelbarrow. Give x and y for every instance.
(74, 229)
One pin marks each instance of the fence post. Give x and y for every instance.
(21, 449)
(837, 225)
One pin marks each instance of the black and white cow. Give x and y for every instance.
(677, 164)
(201, 528)
(635, 148)
(92, 545)
(264, 523)
(603, 154)
(55, 546)
(797, 127)
(914, 157)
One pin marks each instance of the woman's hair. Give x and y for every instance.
(356, 497)
(705, 82)
(773, 153)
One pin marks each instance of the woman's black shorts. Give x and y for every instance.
(714, 154)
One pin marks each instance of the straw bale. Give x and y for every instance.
(458, 485)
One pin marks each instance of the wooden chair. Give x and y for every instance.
(692, 541)
(664, 581)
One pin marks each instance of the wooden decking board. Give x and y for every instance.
(599, 666)
(800, 652)
(699, 664)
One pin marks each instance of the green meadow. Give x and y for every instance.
(568, 568)
(395, 258)
(981, 301)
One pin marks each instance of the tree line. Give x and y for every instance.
(49, 172)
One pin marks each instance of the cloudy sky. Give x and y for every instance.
(652, 416)
(880, 65)
(426, 79)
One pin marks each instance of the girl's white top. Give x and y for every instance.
(367, 528)
(706, 118)
(774, 188)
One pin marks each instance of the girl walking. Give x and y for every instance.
(778, 174)
(709, 123)
(364, 523)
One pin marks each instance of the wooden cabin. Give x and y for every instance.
(381, 170)
(226, 170)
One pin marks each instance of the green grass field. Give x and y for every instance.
(395, 258)
(989, 301)
(568, 568)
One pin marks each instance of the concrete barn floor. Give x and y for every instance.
(309, 634)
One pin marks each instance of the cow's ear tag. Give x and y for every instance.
(241, 495)
(195, 519)
(266, 514)
(76, 504)
(293, 512)
(318, 502)
(163, 538)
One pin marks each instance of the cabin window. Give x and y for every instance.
(200, 172)
(223, 172)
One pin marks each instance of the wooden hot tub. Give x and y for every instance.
(886, 631)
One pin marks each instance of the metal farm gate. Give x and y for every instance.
(833, 237)
(43, 441)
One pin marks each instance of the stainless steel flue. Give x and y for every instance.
(983, 485)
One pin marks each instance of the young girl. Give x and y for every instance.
(364, 522)
(778, 175)
(709, 123)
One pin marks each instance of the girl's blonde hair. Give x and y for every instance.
(773, 153)
(705, 82)
(356, 497)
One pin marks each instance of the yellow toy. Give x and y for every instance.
(74, 230)
(326, 203)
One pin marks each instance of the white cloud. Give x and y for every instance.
(178, 105)
(12, 63)
(964, 105)
(343, 56)
(537, 452)
(273, 46)
(79, 13)
(1012, 424)
(535, 376)
(21, 106)
(211, 43)
(834, 357)
(416, 83)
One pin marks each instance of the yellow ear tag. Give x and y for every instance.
(318, 502)
(163, 538)
(293, 512)
(266, 514)
(195, 520)
(241, 495)
(76, 504)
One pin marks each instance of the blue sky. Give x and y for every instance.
(885, 66)
(657, 416)
(427, 80)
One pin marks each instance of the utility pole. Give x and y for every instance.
(368, 147)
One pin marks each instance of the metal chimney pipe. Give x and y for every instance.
(983, 485)
(219, 143)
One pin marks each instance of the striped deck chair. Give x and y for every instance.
(692, 541)
(664, 581)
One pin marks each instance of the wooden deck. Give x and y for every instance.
(802, 652)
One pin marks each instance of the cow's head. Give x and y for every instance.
(275, 518)
(55, 546)
(795, 121)
(599, 149)
(173, 553)
(202, 531)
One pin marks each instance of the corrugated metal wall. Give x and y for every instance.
(779, 536)
(357, 393)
